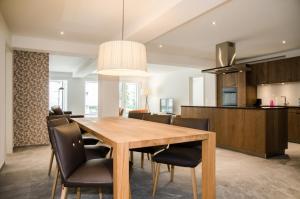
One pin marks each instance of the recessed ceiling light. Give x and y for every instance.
(62, 33)
(213, 23)
(283, 42)
(160, 46)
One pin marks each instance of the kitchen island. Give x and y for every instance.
(259, 131)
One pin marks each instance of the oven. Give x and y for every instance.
(230, 96)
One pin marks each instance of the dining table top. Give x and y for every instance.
(138, 133)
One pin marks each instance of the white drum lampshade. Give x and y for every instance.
(122, 58)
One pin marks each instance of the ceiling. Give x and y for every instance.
(183, 27)
(94, 21)
(257, 27)
(68, 64)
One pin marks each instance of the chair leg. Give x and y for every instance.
(54, 183)
(111, 153)
(168, 167)
(148, 156)
(194, 182)
(157, 171)
(142, 160)
(100, 193)
(130, 195)
(131, 156)
(152, 169)
(51, 162)
(172, 173)
(78, 194)
(64, 192)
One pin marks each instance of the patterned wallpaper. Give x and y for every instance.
(30, 93)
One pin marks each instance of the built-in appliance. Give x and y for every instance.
(167, 105)
(230, 96)
(258, 103)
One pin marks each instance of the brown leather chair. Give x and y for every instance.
(137, 115)
(56, 112)
(91, 151)
(164, 119)
(75, 168)
(186, 154)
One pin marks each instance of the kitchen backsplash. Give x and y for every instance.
(275, 92)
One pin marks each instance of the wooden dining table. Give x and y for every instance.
(123, 134)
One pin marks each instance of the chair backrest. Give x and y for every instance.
(137, 115)
(51, 123)
(195, 123)
(68, 148)
(57, 110)
(165, 119)
(57, 121)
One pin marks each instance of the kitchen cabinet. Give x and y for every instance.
(258, 74)
(278, 71)
(294, 64)
(256, 131)
(294, 125)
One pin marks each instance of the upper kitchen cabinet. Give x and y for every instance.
(285, 70)
(258, 74)
(294, 64)
(278, 71)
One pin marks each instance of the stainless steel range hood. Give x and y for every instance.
(225, 60)
(225, 54)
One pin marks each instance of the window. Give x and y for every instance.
(91, 98)
(58, 93)
(128, 96)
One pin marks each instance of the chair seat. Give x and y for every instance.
(179, 156)
(92, 173)
(90, 141)
(96, 151)
(151, 150)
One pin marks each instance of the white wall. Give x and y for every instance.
(9, 100)
(4, 43)
(108, 96)
(176, 85)
(275, 91)
(76, 90)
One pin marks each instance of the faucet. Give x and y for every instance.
(285, 101)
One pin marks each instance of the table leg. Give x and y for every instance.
(121, 171)
(209, 167)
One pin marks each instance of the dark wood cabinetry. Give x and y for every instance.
(256, 131)
(285, 70)
(294, 125)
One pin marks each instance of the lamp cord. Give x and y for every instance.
(123, 21)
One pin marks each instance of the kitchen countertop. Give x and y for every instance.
(244, 107)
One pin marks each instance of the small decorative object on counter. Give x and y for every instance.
(272, 104)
